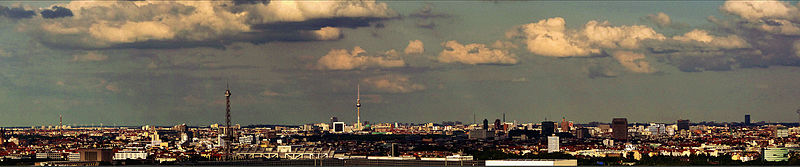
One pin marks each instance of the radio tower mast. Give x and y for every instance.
(358, 107)
(228, 134)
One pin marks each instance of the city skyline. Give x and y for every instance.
(291, 63)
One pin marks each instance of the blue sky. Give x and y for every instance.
(165, 63)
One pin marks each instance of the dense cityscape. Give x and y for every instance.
(333, 142)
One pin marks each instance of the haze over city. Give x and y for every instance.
(168, 62)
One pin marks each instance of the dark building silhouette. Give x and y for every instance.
(619, 128)
(683, 124)
(747, 119)
(498, 125)
(334, 119)
(583, 133)
(485, 124)
(548, 128)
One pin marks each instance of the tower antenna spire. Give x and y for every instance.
(228, 135)
(358, 106)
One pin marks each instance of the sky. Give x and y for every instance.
(295, 62)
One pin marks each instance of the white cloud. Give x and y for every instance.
(392, 84)
(633, 61)
(341, 59)
(550, 37)
(474, 53)
(102, 24)
(415, 47)
(776, 17)
(328, 33)
(702, 36)
(296, 11)
(756, 10)
(89, 56)
(661, 19)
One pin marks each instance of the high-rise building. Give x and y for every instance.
(548, 128)
(338, 127)
(485, 124)
(583, 133)
(747, 119)
(498, 125)
(683, 124)
(564, 124)
(334, 119)
(619, 128)
(552, 144)
(2, 136)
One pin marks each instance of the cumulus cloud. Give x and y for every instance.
(328, 33)
(415, 47)
(341, 59)
(110, 24)
(56, 12)
(776, 17)
(702, 36)
(16, 12)
(550, 37)
(757, 10)
(392, 84)
(89, 56)
(661, 19)
(633, 61)
(599, 71)
(474, 53)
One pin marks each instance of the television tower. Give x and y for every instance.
(227, 131)
(358, 106)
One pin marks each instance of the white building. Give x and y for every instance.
(552, 144)
(135, 155)
(74, 157)
(49, 155)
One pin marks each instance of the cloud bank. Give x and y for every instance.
(341, 59)
(474, 53)
(121, 24)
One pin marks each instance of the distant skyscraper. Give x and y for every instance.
(564, 124)
(334, 119)
(683, 124)
(498, 125)
(747, 119)
(548, 128)
(485, 124)
(338, 127)
(619, 128)
(2, 135)
(583, 133)
(553, 144)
